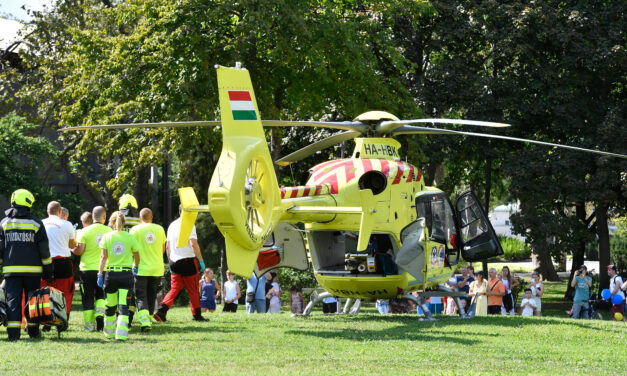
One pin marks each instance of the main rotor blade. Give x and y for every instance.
(410, 129)
(356, 126)
(388, 126)
(168, 124)
(343, 125)
(315, 147)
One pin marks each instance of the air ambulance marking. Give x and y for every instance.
(343, 171)
(242, 105)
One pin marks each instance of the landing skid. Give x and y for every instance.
(420, 300)
(315, 297)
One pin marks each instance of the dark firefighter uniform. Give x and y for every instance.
(25, 258)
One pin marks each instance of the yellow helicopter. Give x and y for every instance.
(372, 229)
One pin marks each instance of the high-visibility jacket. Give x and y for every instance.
(24, 245)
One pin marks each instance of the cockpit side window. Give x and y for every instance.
(439, 216)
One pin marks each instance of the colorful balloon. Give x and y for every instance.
(606, 294)
(618, 316)
(617, 299)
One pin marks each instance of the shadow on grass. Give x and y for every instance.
(410, 327)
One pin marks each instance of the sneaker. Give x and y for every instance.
(199, 318)
(159, 316)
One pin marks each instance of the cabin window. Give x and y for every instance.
(438, 214)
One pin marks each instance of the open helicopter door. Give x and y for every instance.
(478, 239)
(285, 248)
(411, 255)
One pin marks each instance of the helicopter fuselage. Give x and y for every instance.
(331, 238)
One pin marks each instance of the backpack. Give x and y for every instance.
(46, 306)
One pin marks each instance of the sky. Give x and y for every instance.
(13, 8)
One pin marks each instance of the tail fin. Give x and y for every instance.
(244, 195)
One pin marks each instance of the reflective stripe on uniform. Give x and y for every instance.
(21, 221)
(109, 326)
(19, 226)
(144, 317)
(100, 307)
(22, 269)
(47, 261)
(121, 332)
(14, 324)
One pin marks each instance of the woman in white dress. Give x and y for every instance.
(477, 291)
(274, 295)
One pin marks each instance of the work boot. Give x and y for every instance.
(198, 316)
(161, 313)
(33, 331)
(46, 328)
(145, 329)
(99, 323)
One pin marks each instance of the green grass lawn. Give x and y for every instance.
(367, 343)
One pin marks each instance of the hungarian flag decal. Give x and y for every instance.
(242, 105)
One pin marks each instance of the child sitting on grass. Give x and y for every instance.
(528, 304)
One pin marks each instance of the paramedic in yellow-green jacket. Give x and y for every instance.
(151, 238)
(119, 251)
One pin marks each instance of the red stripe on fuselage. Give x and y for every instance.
(385, 167)
(239, 96)
(410, 177)
(399, 172)
(367, 165)
(332, 181)
(319, 170)
(418, 175)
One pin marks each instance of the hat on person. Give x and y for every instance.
(613, 267)
(583, 267)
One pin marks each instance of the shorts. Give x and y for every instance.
(436, 308)
(329, 307)
(494, 310)
(230, 307)
(620, 308)
(208, 303)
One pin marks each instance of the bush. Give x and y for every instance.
(592, 250)
(301, 279)
(618, 251)
(514, 249)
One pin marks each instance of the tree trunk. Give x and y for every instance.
(604, 245)
(275, 149)
(141, 191)
(579, 252)
(488, 188)
(541, 251)
(545, 267)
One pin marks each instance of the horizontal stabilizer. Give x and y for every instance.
(190, 206)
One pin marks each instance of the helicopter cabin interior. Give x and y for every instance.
(335, 252)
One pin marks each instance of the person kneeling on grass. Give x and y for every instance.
(119, 251)
(528, 304)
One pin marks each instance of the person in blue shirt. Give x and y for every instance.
(256, 294)
(582, 283)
